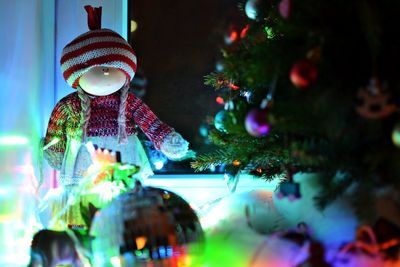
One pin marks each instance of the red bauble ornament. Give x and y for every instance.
(303, 74)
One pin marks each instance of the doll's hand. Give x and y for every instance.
(174, 146)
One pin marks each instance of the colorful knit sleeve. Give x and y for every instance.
(55, 140)
(153, 128)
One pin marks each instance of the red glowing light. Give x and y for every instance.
(220, 100)
(244, 31)
(233, 36)
(233, 87)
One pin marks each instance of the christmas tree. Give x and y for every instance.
(312, 86)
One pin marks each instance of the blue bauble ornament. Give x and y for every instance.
(251, 9)
(225, 121)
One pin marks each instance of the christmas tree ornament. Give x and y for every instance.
(225, 121)
(252, 9)
(285, 8)
(303, 74)
(100, 65)
(290, 190)
(147, 226)
(373, 102)
(256, 122)
(396, 135)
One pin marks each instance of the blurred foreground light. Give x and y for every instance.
(115, 261)
(13, 140)
(158, 165)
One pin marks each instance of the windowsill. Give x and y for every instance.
(200, 189)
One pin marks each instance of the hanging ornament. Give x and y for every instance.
(285, 8)
(225, 121)
(147, 226)
(303, 74)
(289, 189)
(256, 122)
(374, 102)
(252, 9)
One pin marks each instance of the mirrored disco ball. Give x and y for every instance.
(147, 226)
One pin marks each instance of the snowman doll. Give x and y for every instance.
(100, 65)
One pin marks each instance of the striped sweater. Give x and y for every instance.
(65, 122)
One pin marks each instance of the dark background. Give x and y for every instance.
(177, 43)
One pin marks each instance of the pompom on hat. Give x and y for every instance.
(97, 47)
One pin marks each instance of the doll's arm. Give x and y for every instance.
(55, 140)
(163, 136)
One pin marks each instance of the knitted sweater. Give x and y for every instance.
(65, 122)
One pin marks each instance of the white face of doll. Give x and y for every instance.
(101, 81)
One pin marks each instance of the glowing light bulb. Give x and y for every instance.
(158, 165)
(140, 242)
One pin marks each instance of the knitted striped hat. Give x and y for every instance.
(97, 47)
